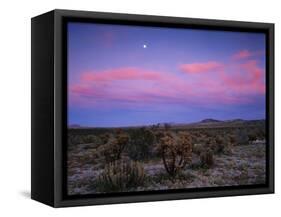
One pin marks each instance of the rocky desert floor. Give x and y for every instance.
(245, 165)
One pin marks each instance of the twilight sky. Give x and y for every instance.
(122, 75)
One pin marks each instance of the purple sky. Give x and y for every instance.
(122, 75)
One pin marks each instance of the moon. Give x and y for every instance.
(144, 46)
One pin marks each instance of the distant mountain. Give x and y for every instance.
(209, 120)
(236, 120)
(205, 123)
(74, 126)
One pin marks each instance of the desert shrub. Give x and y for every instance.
(198, 137)
(141, 144)
(82, 139)
(89, 139)
(207, 158)
(213, 143)
(209, 141)
(261, 134)
(176, 151)
(252, 136)
(242, 138)
(74, 139)
(232, 139)
(122, 139)
(104, 138)
(259, 152)
(221, 145)
(198, 149)
(120, 175)
(167, 126)
(114, 146)
(256, 134)
(86, 158)
(205, 133)
(228, 148)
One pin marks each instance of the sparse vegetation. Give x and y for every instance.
(141, 144)
(176, 151)
(207, 158)
(113, 146)
(120, 175)
(164, 156)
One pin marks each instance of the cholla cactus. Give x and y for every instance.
(207, 158)
(176, 151)
(185, 146)
(122, 140)
(104, 138)
(114, 146)
(120, 175)
(198, 148)
(219, 144)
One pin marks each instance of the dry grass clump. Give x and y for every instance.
(120, 175)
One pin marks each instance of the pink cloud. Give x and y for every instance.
(133, 90)
(252, 68)
(234, 82)
(231, 82)
(243, 54)
(201, 67)
(121, 74)
(246, 54)
(128, 85)
(248, 79)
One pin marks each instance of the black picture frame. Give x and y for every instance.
(49, 116)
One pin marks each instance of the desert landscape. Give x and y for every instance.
(209, 153)
(151, 109)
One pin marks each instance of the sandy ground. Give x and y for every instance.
(245, 166)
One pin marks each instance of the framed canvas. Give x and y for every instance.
(134, 108)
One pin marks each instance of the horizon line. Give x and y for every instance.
(161, 123)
